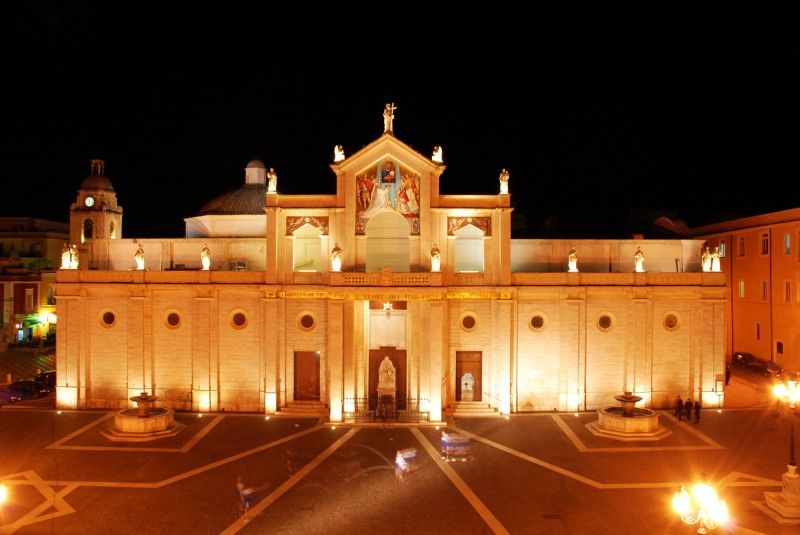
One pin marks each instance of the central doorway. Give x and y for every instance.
(306, 375)
(398, 358)
(468, 375)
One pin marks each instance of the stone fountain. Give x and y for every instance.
(143, 423)
(626, 422)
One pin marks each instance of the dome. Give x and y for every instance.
(250, 199)
(97, 178)
(97, 182)
(256, 163)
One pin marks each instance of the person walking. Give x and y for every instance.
(679, 408)
(697, 408)
(687, 410)
(245, 495)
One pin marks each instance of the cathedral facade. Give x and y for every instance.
(386, 294)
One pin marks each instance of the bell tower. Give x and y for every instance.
(95, 214)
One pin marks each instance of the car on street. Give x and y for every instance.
(46, 381)
(742, 359)
(18, 390)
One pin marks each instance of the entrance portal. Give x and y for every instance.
(468, 375)
(398, 360)
(306, 376)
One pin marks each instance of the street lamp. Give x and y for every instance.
(701, 506)
(787, 502)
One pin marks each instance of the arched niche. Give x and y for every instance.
(468, 249)
(88, 230)
(307, 249)
(387, 242)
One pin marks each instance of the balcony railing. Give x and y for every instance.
(369, 409)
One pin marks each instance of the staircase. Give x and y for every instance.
(304, 409)
(470, 409)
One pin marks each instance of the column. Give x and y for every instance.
(271, 320)
(335, 359)
(502, 327)
(434, 331)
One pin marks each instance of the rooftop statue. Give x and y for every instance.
(504, 175)
(388, 118)
(338, 153)
(272, 181)
(437, 154)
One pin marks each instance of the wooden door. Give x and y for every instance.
(306, 375)
(469, 362)
(398, 358)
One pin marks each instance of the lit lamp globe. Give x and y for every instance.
(701, 506)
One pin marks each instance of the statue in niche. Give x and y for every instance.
(715, 260)
(638, 261)
(65, 257)
(504, 176)
(139, 258)
(388, 118)
(436, 258)
(386, 375)
(437, 154)
(338, 153)
(705, 260)
(336, 258)
(572, 261)
(73, 256)
(272, 181)
(467, 387)
(205, 257)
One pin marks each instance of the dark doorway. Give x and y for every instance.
(306, 376)
(468, 373)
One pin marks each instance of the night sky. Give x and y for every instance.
(601, 114)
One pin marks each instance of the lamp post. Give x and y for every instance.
(787, 502)
(700, 506)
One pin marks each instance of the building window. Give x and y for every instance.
(787, 243)
(604, 322)
(468, 322)
(537, 321)
(28, 300)
(765, 243)
(758, 331)
(108, 318)
(787, 291)
(722, 249)
(306, 321)
(764, 290)
(238, 319)
(671, 322)
(741, 289)
(468, 250)
(87, 230)
(741, 246)
(307, 249)
(172, 320)
(779, 347)
(51, 295)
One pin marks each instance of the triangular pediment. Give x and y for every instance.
(388, 145)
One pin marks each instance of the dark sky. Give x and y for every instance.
(597, 111)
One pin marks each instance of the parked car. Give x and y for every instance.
(46, 381)
(763, 367)
(741, 359)
(18, 390)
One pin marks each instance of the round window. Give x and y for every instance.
(537, 322)
(604, 322)
(468, 322)
(173, 320)
(306, 321)
(108, 318)
(239, 320)
(671, 322)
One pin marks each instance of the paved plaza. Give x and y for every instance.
(537, 473)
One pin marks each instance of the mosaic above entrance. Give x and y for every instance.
(388, 185)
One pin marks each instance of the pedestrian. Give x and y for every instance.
(679, 408)
(687, 410)
(245, 494)
(727, 373)
(697, 411)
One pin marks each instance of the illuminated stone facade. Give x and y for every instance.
(271, 327)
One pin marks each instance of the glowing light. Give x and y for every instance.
(3, 493)
(719, 410)
(576, 415)
(58, 412)
(266, 417)
(437, 427)
(507, 417)
(333, 428)
(199, 414)
(701, 505)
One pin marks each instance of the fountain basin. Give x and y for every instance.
(614, 419)
(129, 420)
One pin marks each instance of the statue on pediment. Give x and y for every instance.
(388, 118)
